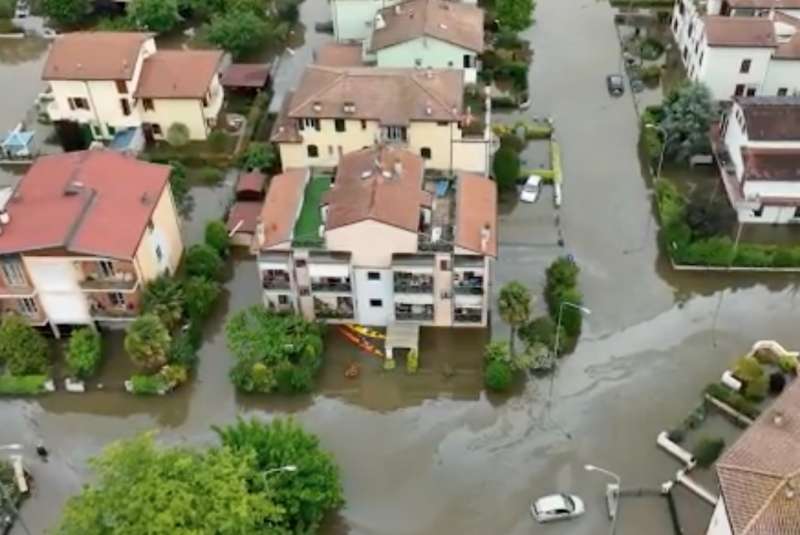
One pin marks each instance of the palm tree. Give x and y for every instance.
(514, 304)
(164, 298)
(147, 342)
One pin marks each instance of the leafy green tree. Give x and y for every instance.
(203, 261)
(7, 8)
(506, 168)
(688, 113)
(216, 235)
(147, 342)
(22, 349)
(178, 135)
(539, 331)
(273, 351)
(200, 295)
(84, 351)
(258, 156)
(140, 488)
(155, 15)
(240, 32)
(498, 376)
(164, 297)
(514, 15)
(179, 184)
(66, 12)
(217, 140)
(514, 304)
(305, 495)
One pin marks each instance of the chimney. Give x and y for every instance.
(379, 22)
(486, 233)
(778, 419)
(398, 168)
(317, 106)
(260, 232)
(429, 73)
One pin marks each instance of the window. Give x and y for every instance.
(739, 91)
(205, 101)
(675, 24)
(310, 122)
(418, 62)
(111, 130)
(148, 104)
(685, 53)
(467, 61)
(744, 68)
(13, 273)
(396, 133)
(122, 87)
(751, 91)
(312, 151)
(425, 152)
(299, 263)
(126, 106)
(304, 291)
(696, 47)
(157, 129)
(796, 212)
(106, 268)
(159, 253)
(363, 124)
(283, 299)
(339, 124)
(373, 275)
(78, 103)
(376, 303)
(444, 265)
(782, 91)
(758, 212)
(117, 299)
(27, 306)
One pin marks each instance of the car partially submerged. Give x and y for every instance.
(615, 84)
(557, 507)
(531, 188)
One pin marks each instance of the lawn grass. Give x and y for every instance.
(306, 228)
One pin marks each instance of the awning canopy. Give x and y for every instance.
(17, 142)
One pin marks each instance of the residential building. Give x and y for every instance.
(428, 34)
(757, 147)
(740, 48)
(380, 244)
(81, 234)
(115, 81)
(335, 111)
(759, 475)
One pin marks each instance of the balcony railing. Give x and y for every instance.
(275, 283)
(413, 288)
(119, 281)
(469, 289)
(340, 287)
(334, 314)
(114, 312)
(468, 317)
(413, 316)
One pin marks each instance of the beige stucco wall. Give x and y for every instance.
(471, 156)
(166, 231)
(435, 137)
(371, 243)
(177, 110)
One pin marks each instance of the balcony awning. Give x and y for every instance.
(329, 270)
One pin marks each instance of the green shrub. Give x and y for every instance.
(753, 256)
(164, 297)
(412, 361)
(16, 385)
(216, 235)
(708, 450)
(756, 389)
(650, 74)
(217, 140)
(209, 175)
(513, 142)
(671, 204)
(787, 364)
(258, 156)
(498, 376)
(786, 257)
(539, 331)
(651, 49)
(506, 168)
(562, 272)
(203, 261)
(747, 369)
(676, 435)
(178, 135)
(23, 350)
(147, 342)
(201, 294)
(733, 399)
(174, 375)
(149, 384)
(84, 351)
(182, 351)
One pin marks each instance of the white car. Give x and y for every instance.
(557, 507)
(530, 191)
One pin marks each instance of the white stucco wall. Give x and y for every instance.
(782, 73)
(719, 524)
(424, 52)
(720, 69)
(371, 243)
(367, 290)
(353, 19)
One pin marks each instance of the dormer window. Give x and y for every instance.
(309, 123)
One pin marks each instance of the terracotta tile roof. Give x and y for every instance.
(251, 182)
(392, 96)
(759, 475)
(339, 55)
(283, 203)
(476, 210)
(771, 118)
(254, 75)
(94, 56)
(456, 23)
(380, 183)
(284, 130)
(246, 212)
(92, 202)
(178, 74)
(739, 31)
(771, 164)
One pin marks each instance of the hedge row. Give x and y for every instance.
(733, 399)
(16, 385)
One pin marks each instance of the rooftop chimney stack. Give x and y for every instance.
(486, 233)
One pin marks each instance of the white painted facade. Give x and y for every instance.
(429, 52)
(724, 69)
(353, 20)
(719, 525)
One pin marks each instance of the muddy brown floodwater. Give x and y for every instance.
(432, 454)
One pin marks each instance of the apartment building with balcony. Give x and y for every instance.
(81, 234)
(379, 243)
(112, 82)
(335, 111)
(740, 47)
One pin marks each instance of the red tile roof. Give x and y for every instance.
(759, 475)
(251, 182)
(339, 55)
(771, 164)
(476, 213)
(739, 31)
(94, 56)
(246, 213)
(178, 74)
(280, 209)
(253, 75)
(380, 183)
(92, 202)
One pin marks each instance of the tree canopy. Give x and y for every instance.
(506, 167)
(23, 350)
(84, 351)
(155, 15)
(147, 342)
(514, 304)
(514, 15)
(688, 113)
(66, 12)
(240, 31)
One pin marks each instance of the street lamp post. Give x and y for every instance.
(579, 308)
(6, 497)
(287, 468)
(612, 491)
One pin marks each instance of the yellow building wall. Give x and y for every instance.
(371, 243)
(177, 110)
(435, 137)
(166, 232)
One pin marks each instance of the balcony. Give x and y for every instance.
(469, 287)
(468, 315)
(27, 307)
(107, 275)
(275, 280)
(341, 310)
(114, 305)
(412, 283)
(331, 284)
(405, 312)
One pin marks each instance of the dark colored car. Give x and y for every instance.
(615, 84)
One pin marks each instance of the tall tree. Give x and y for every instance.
(22, 349)
(155, 15)
(140, 488)
(514, 15)
(514, 305)
(66, 12)
(688, 113)
(147, 342)
(242, 31)
(163, 297)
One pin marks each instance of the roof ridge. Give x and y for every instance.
(432, 95)
(334, 82)
(763, 508)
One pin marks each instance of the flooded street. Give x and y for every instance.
(432, 454)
